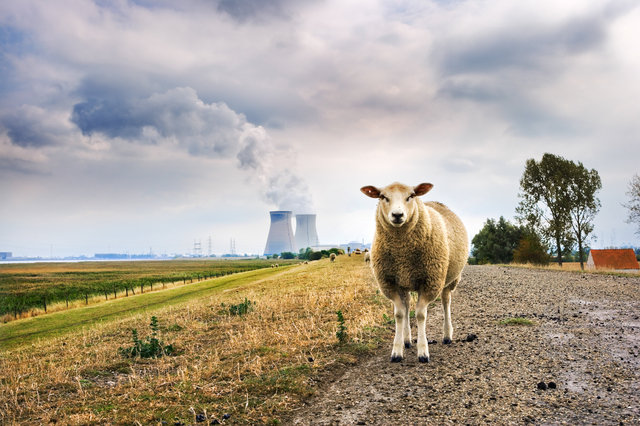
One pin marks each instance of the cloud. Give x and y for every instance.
(176, 115)
(258, 10)
(31, 126)
(179, 117)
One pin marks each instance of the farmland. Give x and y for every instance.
(268, 346)
(31, 289)
(252, 364)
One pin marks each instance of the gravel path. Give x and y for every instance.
(577, 364)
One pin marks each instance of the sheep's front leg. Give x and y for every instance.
(421, 318)
(407, 322)
(401, 315)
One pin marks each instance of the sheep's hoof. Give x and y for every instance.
(396, 358)
(423, 358)
(407, 345)
(446, 341)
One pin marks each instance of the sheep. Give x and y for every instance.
(367, 257)
(419, 247)
(332, 257)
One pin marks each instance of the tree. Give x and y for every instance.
(287, 255)
(546, 204)
(584, 204)
(531, 250)
(634, 202)
(496, 241)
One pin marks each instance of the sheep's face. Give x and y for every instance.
(397, 201)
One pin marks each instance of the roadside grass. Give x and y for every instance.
(249, 368)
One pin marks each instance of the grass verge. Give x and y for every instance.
(29, 330)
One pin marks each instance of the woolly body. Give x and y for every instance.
(425, 255)
(419, 247)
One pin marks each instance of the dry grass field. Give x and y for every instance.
(247, 368)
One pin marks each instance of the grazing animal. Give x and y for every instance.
(332, 256)
(419, 247)
(367, 257)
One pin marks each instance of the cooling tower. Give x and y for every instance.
(280, 237)
(306, 234)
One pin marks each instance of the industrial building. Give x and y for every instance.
(281, 237)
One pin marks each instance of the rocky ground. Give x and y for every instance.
(577, 363)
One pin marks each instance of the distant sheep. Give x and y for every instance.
(332, 256)
(419, 247)
(367, 257)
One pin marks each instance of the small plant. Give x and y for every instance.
(387, 319)
(341, 334)
(516, 321)
(151, 347)
(241, 308)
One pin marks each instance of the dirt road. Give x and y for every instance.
(577, 363)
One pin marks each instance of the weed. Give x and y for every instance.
(516, 321)
(241, 308)
(387, 320)
(341, 334)
(151, 347)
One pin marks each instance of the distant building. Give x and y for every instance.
(612, 259)
(354, 245)
(4, 255)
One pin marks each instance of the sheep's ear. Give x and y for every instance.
(370, 191)
(422, 189)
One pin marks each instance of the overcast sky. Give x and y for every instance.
(127, 126)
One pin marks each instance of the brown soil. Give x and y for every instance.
(584, 340)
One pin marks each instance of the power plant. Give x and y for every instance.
(306, 234)
(281, 238)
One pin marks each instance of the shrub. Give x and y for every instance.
(241, 308)
(531, 250)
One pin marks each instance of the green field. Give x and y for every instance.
(58, 323)
(26, 287)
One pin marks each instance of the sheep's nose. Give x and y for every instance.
(397, 216)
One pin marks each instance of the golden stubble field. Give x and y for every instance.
(247, 368)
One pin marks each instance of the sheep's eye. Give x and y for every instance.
(410, 197)
(382, 197)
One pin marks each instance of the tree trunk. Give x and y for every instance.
(559, 248)
(580, 253)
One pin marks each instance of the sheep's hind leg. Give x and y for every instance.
(421, 318)
(400, 313)
(446, 307)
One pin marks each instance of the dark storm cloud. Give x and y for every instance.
(525, 115)
(523, 46)
(489, 69)
(177, 114)
(31, 127)
(257, 10)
